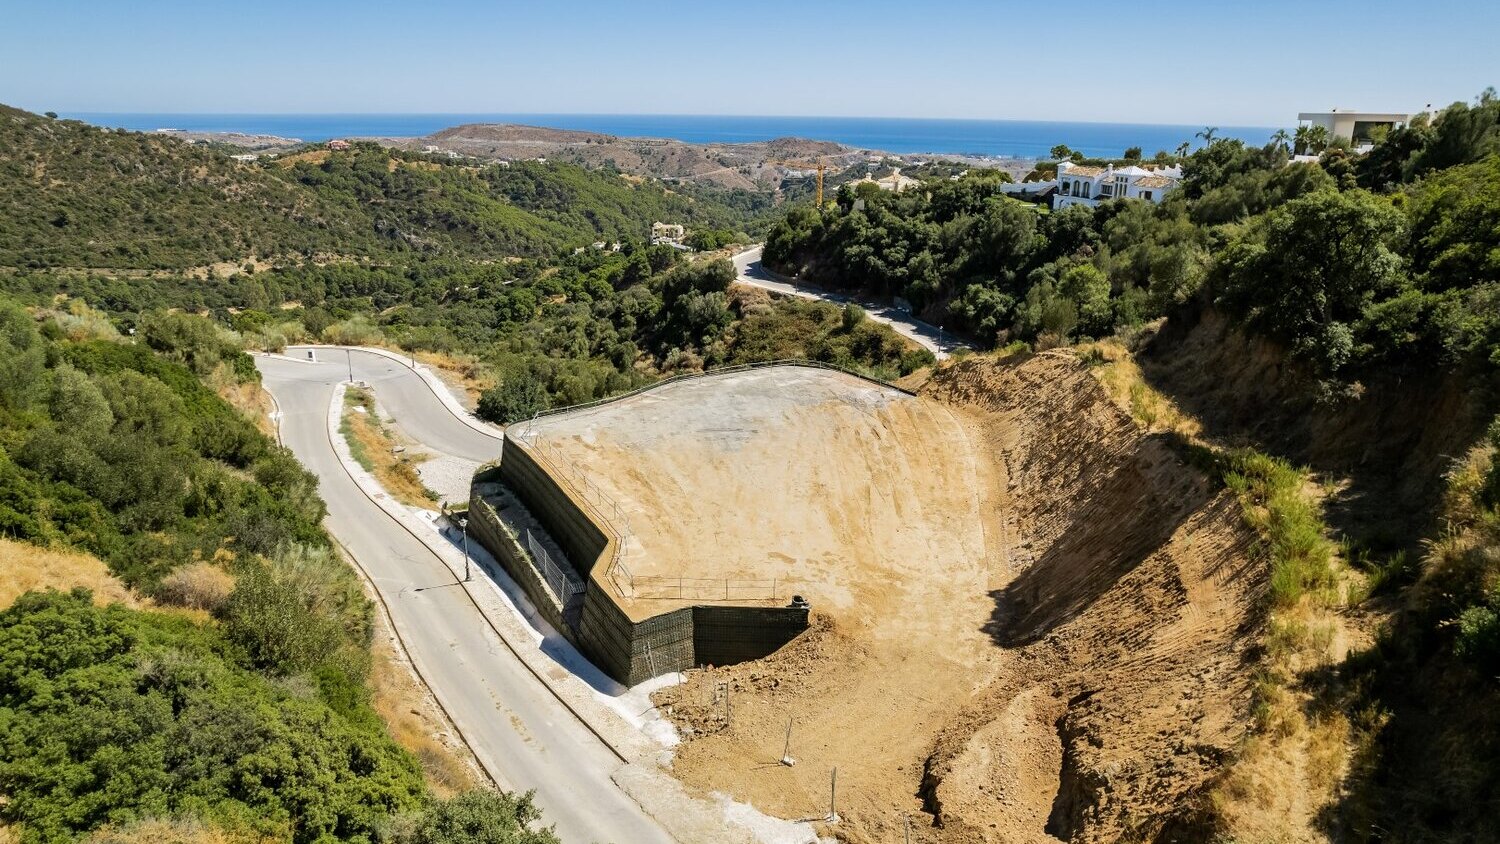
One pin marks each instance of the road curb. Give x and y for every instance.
(398, 514)
(434, 383)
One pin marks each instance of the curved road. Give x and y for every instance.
(750, 271)
(515, 724)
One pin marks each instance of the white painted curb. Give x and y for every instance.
(665, 799)
(434, 383)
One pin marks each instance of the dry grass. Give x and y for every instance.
(199, 586)
(1122, 379)
(376, 448)
(173, 831)
(464, 371)
(1297, 757)
(248, 397)
(414, 720)
(27, 568)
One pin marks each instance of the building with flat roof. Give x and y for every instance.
(1358, 127)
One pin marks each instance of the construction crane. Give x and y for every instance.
(806, 165)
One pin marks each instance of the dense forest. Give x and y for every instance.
(431, 255)
(1351, 262)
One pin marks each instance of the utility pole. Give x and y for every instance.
(349, 359)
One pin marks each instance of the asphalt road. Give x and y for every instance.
(515, 724)
(410, 400)
(748, 267)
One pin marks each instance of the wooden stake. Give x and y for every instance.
(833, 792)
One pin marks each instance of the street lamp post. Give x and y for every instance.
(464, 526)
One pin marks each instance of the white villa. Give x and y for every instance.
(895, 182)
(1081, 185)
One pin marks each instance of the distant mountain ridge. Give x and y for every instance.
(743, 166)
(77, 196)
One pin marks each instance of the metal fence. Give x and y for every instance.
(563, 587)
(705, 588)
(722, 370)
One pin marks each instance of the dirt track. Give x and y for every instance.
(1063, 660)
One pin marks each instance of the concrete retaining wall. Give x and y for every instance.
(724, 635)
(687, 637)
(629, 651)
(569, 526)
(485, 526)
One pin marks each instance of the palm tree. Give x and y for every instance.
(1207, 135)
(1182, 149)
(1281, 139)
(1317, 138)
(1303, 139)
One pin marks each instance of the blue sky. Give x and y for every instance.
(1230, 63)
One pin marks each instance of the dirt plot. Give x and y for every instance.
(839, 489)
(1029, 616)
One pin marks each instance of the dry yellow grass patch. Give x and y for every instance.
(1117, 370)
(201, 586)
(379, 451)
(312, 156)
(249, 398)
(1296, 759)
(24, 568)
(464, 371)
(171, 831)
(415, 721)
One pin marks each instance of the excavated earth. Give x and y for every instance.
(1092, 672)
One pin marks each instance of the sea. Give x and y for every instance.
(994, 138)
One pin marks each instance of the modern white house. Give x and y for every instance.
(1078, 184)
(1357, 127)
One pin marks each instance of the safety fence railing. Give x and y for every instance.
(564, 588)
(704, 588)
(588, 493)
(722, 370)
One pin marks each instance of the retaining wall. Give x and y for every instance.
(687, 637)
(486, 527)
(629, 651)
(569, 525)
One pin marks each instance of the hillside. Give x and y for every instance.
(1322, 338)
(742, 166)
(74, 196)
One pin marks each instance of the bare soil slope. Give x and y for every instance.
(1082, 677)
(838, 488)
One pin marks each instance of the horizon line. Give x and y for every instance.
(642, 114)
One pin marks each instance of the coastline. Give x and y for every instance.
(1017, 139)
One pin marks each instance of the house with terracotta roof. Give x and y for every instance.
(895, 182)
(1079, 184)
